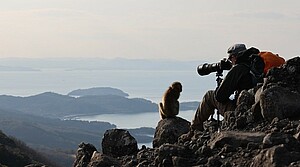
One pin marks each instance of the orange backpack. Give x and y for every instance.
(271, 60)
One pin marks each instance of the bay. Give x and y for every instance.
(147, 84)
(130, 121)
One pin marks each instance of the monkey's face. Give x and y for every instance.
(178, 87)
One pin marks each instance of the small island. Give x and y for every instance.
(97, 91)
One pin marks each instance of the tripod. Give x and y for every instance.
(219, 80)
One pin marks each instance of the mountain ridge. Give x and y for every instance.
(36, 119)
(15, 153)
(50, 104)
(57, 106)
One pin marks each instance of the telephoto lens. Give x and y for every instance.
(205, 69)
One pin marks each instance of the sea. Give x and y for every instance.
(147, 84)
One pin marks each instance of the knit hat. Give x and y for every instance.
(235, 49)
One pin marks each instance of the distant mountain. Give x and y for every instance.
(191, 105)
(10, 68)
(36, 120)
(98, 91)
(57, 106)
(15, 153)
(48, 132)
(55, 137)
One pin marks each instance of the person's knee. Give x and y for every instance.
(210, 92)
(208, 95)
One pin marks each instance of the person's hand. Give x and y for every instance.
(225, 64)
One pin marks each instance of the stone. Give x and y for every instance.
(276, 156)
(235, 139)
(118, 142)
(276, 138)
(84, 154)
(280, 102)
(101, 160)
(173, 155)
(169, 130)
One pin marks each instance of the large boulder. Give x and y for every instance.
(280, 96)
(288, 76)
(173, 155)
(276, 156)
(84, 154)
(277, 138)
(101, 160)
(280, 102)
(235, 139)
(118, 142)
(169, 129)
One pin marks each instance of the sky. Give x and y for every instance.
(147, 29)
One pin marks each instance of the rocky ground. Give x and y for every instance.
(264, 130)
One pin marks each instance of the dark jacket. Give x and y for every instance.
(237, 79)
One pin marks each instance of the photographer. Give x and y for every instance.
(236, 80)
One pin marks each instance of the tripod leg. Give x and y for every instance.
(212, 117)
(218, 120)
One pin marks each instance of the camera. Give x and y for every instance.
(205, 69)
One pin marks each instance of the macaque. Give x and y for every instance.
(169, 107)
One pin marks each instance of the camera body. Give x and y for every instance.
(205, 69)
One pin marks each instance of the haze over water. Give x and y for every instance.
(141, 83)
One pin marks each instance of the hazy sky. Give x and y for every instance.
(178, 29)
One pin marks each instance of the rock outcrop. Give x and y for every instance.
(84, 155)
(169, 129)
(280, 96)
(118, 142)
(264, 130)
